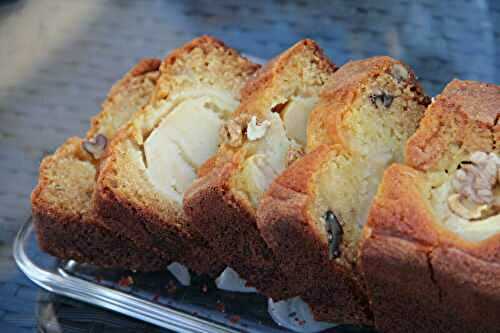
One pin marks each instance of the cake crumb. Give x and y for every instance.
(220, 307)
(126, 281)
(171, 287)
(234, 319)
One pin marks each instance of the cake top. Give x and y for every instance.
(477, 100)
(205, 61)
(463, 119)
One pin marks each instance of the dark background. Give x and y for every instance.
(58, 59)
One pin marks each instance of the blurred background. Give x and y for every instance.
(58, 58)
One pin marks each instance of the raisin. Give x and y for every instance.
(335, 232)
(381, 98)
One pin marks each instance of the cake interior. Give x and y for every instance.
(185, 133)
(268, 156)
(374, 131)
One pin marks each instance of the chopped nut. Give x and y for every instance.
(458, 207)
(399, 72)
(257, 131)
(95, 146)
(474, 196)
(232, 133)
(476, 180)
(335, 232)
(380, 98)
(295, 152)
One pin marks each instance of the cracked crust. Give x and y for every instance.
(222, 210)
(126, 196)
(415, 267)
(67, 226)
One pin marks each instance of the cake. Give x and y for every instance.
(65, 221)
(154, 158)
(313, 214)
(431, 248)
(265, 135)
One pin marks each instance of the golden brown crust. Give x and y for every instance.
(414, 267)
(280, 65)
(465, 114)
(283, 211)
(174, 65)
(394, 215)
(207, 166)
(223, 212)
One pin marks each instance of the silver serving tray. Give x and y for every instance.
(156, 298)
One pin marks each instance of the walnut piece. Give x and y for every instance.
(473, 187)
(95, 146)
(467, 211)
(257, 131)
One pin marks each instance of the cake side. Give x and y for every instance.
(66, 224)
(412, 273)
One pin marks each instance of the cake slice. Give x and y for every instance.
(431, 247)
(152, 161)
(65, 222)
(265, 135)
(313, 214)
